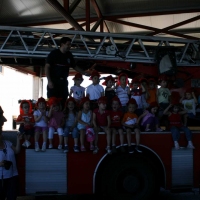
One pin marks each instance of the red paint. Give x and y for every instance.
(81, 166)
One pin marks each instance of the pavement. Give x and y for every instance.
(163, 195)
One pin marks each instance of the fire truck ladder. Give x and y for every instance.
(32, 43)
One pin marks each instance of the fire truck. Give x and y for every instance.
(121, 175)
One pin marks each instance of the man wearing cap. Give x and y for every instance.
(57, 68)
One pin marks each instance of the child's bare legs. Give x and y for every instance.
(82, 139)
(108, 138)
(128, 132)
(114, 132)
(60, 134)
(50, 141)
(96, 130)
(66, 149)
(92, 145)
(121, 139)
(44, 135)
(130, 148)
(147, 127)
(66, 140)
(50, 137)
(137, 136)
(36, 138)
(60, 139)
(96, 139)
(75, 141)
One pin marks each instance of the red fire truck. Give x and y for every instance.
(122, 176)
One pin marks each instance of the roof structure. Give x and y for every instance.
(172, 18)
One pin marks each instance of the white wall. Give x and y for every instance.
(14, 85)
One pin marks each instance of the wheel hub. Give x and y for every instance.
(131, 183)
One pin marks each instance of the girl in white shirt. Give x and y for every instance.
(77, 91)
(40, 116)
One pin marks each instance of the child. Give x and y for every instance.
(41, 120)
(163, 99)
(163, 93)
(56, 121)
(77, 90)
(151, 91)
(123, 91)
(149, 119)
(189, 103)
(143, 86)
(136, 93)
(26, 121)
(176, 125)
(71, 124)
(84, 121)
(101, 120)
(116, 116)
(129, 122)
(94, 91)
(109, 90)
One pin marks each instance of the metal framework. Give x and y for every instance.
(32, 43)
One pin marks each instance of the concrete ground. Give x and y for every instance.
(163, 195)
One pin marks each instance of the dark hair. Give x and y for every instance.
(63, 40)
(149, 109)
(179, 106)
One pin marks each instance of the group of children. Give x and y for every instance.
(122, 108)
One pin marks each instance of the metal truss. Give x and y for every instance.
(32, 43)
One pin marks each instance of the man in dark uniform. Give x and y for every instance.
(57, 68)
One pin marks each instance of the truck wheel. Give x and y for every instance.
(132, 179)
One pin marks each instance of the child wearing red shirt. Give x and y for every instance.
(116, 116)
(101, 120)
(174, 115)
(26, 121)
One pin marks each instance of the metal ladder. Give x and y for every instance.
(32, 43)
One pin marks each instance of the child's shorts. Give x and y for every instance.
(81, 126)
(132, 129)
(41, 129)
(117, 128)
(22, 130)
(75, 132)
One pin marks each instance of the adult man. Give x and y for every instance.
(57, 70)
(8, 167)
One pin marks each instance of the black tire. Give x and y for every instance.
(131, 179)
